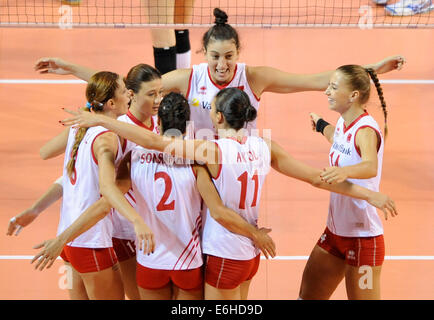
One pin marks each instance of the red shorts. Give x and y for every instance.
(356, 251)
(86, 260)
(125, 249)
(153, 279)
(224, 273)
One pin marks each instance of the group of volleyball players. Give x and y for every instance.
(161, 197)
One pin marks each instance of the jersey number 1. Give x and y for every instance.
(162, 205)
(244, 180)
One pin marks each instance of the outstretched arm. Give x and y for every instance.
(229, 218)
(26, 217)
(267, 79)
(62, 67)
(97, 211)
(287, 165)
(197, 150)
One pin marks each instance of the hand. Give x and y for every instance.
(81, 119)
(18, 222)
(145, 237)
(389, 64)
(265, 243)
(334, 175)
(53, 65)
(52, 249)
(384, 203)
(314, 119)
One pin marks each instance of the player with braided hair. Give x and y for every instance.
(353, 238)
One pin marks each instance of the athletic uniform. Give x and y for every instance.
(233, 258)
(354, 230)
(201, 92)
(123, 230)
(80, 191)
(169, 202)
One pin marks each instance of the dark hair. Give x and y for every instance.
(235, 106)
(359, 79)
(100, 88)
(221, 30)
(174, 112)
(138, 74)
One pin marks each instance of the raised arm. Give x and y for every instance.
(229, 218)
(62, 67)
(324, 127)
(287, 165)
(267, 79)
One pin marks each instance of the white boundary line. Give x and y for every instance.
(293, 258)
(69, 81)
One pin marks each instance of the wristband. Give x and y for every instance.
(320, 125)
(59, 181)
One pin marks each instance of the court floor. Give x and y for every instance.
(297, 212)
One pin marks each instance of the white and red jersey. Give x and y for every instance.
(239, 183)
(169, 202)
(201, 92)
(122, 228)
(81, 190)
(350, 217)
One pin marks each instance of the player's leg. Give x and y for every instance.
(363, 283)
(322, 274)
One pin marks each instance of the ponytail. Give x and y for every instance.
(374, 78)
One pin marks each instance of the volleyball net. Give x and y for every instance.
(199, 13)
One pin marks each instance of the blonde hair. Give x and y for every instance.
(100, 88)
(359, 79)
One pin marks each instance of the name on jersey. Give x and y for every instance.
(341, 148)
(161, 158)
(247, 156)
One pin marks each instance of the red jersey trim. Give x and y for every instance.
(139, 123)
(355, 121)
(225, 85)
(243, 140)
(378, 136)
(189, 84)
(91, 147)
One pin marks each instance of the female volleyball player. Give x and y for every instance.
(353, 238)
(144, 85)
(168, 199)
(238, 164)
(200, 84)
(89, 169)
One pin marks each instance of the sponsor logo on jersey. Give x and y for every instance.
(323, 237)
(202, 90)
(195, 102)
(349, 137)
(341, 148)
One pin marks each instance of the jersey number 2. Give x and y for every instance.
(244, 180)
(162, 205)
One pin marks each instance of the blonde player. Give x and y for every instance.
(239, 161)
(201, 83)
(144, 86)
(353, 237)
(89, 169)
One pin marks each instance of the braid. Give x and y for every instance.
(374, 78)
(78, 138)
